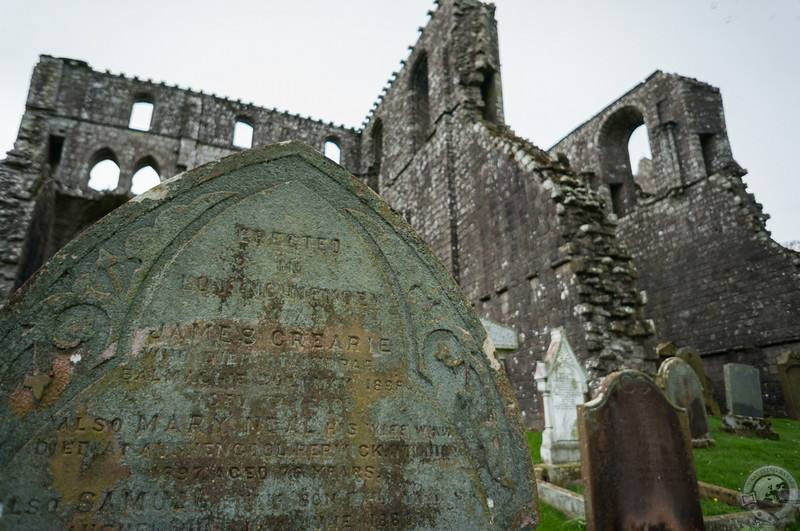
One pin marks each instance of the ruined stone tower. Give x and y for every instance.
(537, 240)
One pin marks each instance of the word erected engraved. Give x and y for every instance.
(260, 343)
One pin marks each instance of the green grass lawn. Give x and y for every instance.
(733, 459)
(728, 465)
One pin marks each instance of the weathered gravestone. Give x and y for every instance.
(743, 390)
(681, 385)
(636, 458)
(692, 357)
(504, 338)
(562, 381)
(789, 374)
(259, 343)
(745, 408)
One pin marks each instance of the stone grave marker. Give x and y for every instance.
(504, 338)
(692, 357)
(745, 415)
(743, 390)
(636, 458)
(682, 386)
(259, 343)
(562, 380)
(789, 375)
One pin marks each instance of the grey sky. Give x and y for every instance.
(562, 61)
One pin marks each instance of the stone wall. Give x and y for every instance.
(527, 241)
(536, 240)
(75, 117)
(88, 114)
(715, 279)
(549, 259)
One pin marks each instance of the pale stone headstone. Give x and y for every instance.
(789, 375)
(260, 343)
(562, 380)
(679, 382)
(636, 458)
(503, 337)
(692, 357)
(743, 390)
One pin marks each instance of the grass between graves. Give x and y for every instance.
(733, 459)
(728, 465)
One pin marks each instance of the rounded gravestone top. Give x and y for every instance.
(680, 383)
(258, 343)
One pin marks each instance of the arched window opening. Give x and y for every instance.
(373, 174)
(712, 152)
(490, 96)
(377, 143)
(104, 175)
(242, 135)
(640, 159)
(419, 87)
(615, 159)
(55, 147)
(332, 151)
(144, 179)
(141, 115)
(617, 198)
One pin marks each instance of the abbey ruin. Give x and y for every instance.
(537, 239)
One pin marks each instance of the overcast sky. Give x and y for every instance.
(562, 61)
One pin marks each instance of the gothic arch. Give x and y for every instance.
(139, 182)
(98, 156)
(615, 166)
(332, 148)
(147, 160)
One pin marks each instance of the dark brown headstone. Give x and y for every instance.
(260, 343)
(636, 458)
(789, 374)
